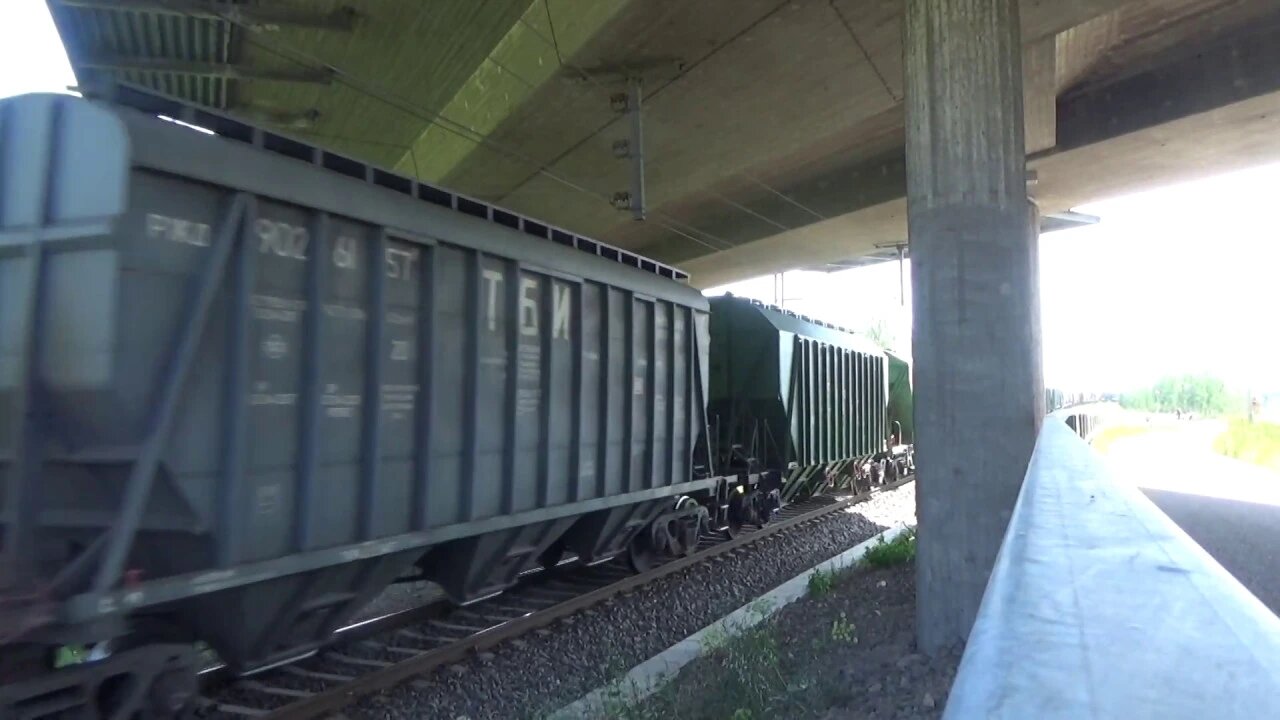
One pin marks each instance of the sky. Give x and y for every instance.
(1180, 279)
(1183, 279)
(31, 55)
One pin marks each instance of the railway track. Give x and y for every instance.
(380, 653)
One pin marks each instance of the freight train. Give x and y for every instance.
(811, 404)
(246, 384)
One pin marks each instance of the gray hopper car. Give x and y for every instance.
(245, 384)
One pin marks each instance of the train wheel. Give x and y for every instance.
(148, 682)
(686, 532)
(737, 511)
(640, 553)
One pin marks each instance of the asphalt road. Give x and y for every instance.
(1231, 508)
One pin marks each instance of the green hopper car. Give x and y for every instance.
(807, 404)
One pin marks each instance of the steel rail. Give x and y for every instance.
(325, 702)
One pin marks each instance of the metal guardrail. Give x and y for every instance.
(1100, 607)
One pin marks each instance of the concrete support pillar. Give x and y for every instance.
(1036, 331)
(976, 338)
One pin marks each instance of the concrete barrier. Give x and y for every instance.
(1100, 607)
(1087, 419)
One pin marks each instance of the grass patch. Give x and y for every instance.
(883, 554)
(749, 678)
(1105, 437)
(792, 665)
(753, 675)
(1257, 443)
(821, 581)
(898, 551)
(843, 631)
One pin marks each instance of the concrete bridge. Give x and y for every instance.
(774, 131)
(741, 137)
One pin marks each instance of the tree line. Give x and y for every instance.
(1200, 394)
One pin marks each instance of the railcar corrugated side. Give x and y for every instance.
(244, 385)
(801, 398)
(901, 400)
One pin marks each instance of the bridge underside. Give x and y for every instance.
(773, 131)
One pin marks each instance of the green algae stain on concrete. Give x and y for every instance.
(403, 61)
(521, 62)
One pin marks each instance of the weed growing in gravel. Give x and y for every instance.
(620, 698)
(615, 670)
(899, 551)
(843, 631)
(761, 607)
(715, 638)
(747, 673)
(624, 701)
(820, 582)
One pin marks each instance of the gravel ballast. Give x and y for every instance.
(847, 653)
(536, 674)
(398, 597)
